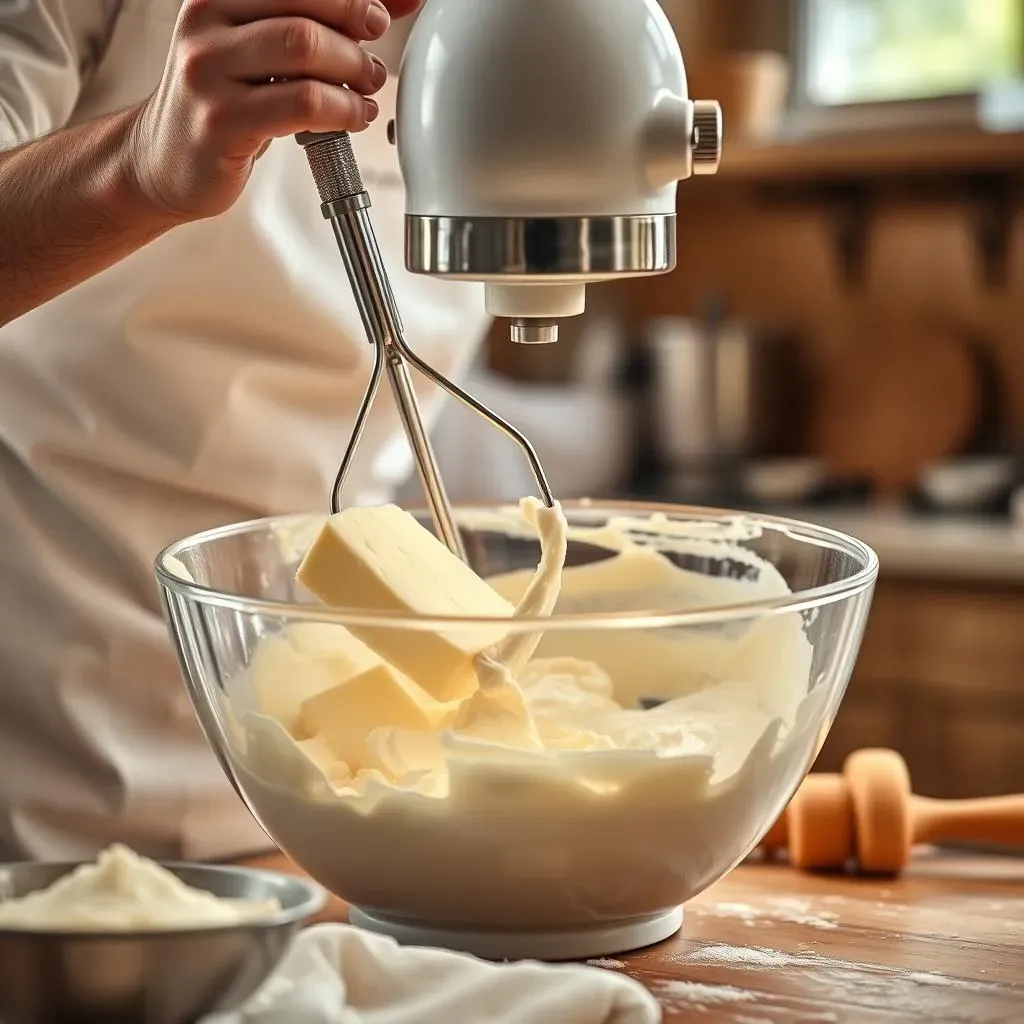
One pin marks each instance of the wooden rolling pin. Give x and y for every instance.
(869, 815)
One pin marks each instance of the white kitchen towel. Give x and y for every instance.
(335, 974)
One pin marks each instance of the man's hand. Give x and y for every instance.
(243, 72)
(78, 200)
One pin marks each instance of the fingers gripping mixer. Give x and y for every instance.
(541, 142)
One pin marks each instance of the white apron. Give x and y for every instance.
(212, 377)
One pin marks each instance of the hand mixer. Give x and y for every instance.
(541, 142)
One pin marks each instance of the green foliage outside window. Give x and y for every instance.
(869, 50)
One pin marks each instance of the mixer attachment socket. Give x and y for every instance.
(530, 331)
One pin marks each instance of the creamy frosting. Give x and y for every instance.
(559, 732)
(497, 712)
(125, 892)
(565, 703)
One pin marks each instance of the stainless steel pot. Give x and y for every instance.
(720, 394)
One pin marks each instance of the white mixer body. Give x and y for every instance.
(541, 142)
(538, 108)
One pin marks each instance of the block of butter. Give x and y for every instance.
(343, 716)
(319, 751)
(299, 663)
(382, 559)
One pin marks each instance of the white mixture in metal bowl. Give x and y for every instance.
(123, 892)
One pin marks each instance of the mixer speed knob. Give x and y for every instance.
(707, 136)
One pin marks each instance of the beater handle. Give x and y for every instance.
(333, 163)
(345, 203)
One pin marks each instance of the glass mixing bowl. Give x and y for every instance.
(729, 640)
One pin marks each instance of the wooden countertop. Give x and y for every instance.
(769, 945)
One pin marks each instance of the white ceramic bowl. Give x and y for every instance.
(784, 481)
(968, 483)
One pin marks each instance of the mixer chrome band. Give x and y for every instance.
(556, 246)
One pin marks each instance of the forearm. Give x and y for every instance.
(70, 207)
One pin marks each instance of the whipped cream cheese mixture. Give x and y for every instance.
(669, 747)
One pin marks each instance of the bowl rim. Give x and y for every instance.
(804, 600)
(312, 902)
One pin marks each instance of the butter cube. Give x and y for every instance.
(345, 715)
(382, 559)
(325, 639)
(318, 750)
(305, 660)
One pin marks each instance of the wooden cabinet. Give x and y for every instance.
(941, 679)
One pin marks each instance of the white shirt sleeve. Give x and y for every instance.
(48, 48)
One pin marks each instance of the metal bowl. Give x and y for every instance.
(147, 977)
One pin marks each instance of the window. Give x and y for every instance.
(871, 51)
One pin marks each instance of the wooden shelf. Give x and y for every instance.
(914, 153)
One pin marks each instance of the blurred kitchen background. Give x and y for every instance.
(842, 341)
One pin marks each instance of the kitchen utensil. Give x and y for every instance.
(784, 481)
(722, 392)
(869, 814)
(890, 401)
(968, 484)
(520, 879)
(152, 977)
(545, 156)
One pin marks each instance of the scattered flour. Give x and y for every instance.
(816, 1018)
(945, 981)
(606, 963)
(802, 912)
(793, 911)
(678, 995)
(724, 955)
(741, 910)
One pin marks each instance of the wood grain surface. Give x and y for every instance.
(892, 399)
(769, 945)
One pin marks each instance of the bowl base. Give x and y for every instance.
(574, 944)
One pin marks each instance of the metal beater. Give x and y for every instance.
(346, 204)
(541, 143)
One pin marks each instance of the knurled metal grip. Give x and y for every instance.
(333, 163)
(707, 136)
